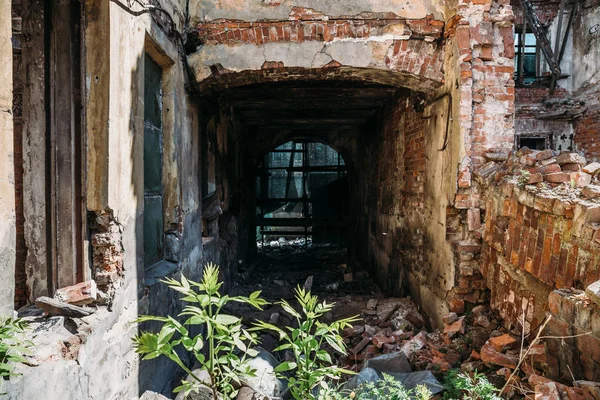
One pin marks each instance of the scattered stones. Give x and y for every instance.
(458, 326)
(503, 342)
(449, 318)
(490, 355)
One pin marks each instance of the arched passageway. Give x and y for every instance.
(330, 161)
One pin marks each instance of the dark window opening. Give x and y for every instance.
(534, 143)
(527, 66)
(153, 155)
(302, 192)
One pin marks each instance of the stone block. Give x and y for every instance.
(570, 158)
(503, 342)
(592, 168)
(535, 178)
(544, 155)
(545, 169)
(571, 167)
(593, 292)
(591, 191)
(557, 177)
(491, 356)
(581, 178)
(528, 160)
(78, 294)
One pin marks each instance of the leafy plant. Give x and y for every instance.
(228, 343)
(312, 367)
(389, 388)
(12, 347)
(523, 179)
(450, 383)
(477, 387)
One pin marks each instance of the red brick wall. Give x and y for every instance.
(534, 244)
(573, 314)
(305, 26)
(414, 158)
(587, 128)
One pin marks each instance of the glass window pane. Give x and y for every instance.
(530, 39)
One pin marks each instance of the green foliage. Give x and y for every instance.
(228, 343)
(463, 386)
(523, 178)
(450, 382)
(12, 347)
(312, 367)
(389, 388)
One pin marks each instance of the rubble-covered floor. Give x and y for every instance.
(472, 342)
(386, 325)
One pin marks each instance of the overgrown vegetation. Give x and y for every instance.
(391, 389)
(228, 343)
(13, 347)
(222, 350)
(466, 387)
(312, 368)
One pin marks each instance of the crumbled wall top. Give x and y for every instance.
(254, 10)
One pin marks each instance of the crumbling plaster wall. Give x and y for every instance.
(586, 46)
(251, 37)
(7, 189)
(253, 10)
(586, 75)
(105, 366)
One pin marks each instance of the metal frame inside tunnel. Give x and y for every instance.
(285, 225)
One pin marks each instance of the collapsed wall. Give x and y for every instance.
(541, 249)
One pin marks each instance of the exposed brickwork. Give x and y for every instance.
(416, 57)
(573, 314)
(314, 28)
(546, 11)
(587, 129)
(107, 251)
(484, 36)
(538, 239)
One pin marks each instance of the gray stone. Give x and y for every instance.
(56, 307)
(365, 376)
(390, 363)
(150, 395)
(265, 381)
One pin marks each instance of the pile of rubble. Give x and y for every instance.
(283, 242)
(565, 174)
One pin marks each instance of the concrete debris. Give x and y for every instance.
(593, 291)
(80, 294)
(264, 382)
(150, 395)
(56, 307)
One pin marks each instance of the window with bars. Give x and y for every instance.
(526, 57)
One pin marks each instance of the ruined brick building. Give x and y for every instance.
(133, 133)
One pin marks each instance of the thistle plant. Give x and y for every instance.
(226, 343)
(313, 366)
